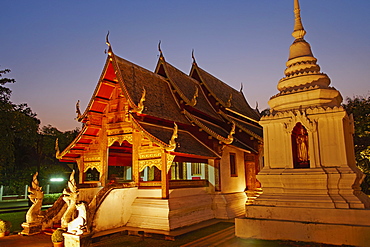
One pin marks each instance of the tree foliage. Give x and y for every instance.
(24, 147)
(360, 108)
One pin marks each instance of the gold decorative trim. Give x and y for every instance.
(170, 158)
(208, 130)
(120, 139)
(228, 103)
(146, 134)
(149, 155)
(230, 118)
(92, 158)
(140, 106)
(150, 163)
(96, 165)
(172, 145)
(193, 101)
(230, 137)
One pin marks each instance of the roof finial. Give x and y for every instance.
(299, 31)
(107, 40)
(159, 48)
(57, 150)
(78, 110)
(193, 57)
(109, 45)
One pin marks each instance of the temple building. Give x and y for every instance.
(177, 149)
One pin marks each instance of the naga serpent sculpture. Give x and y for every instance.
(70, 196)
(36, 196)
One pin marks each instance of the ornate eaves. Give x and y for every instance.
(150, 136)
(227, 140)
(251, 133)
(140, 106)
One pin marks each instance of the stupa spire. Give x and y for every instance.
(299, 31)
(303, 75)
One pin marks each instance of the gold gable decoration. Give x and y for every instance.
(92, 165)
(150, 163)
(120, 139)
(140, 106)
(172, 143)
(193, 101)
(170, 158)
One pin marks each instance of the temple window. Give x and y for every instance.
(188, 171)
(233, 170)
(92, 175)
(178, 171)
(196, 169)
(301, 157)
(150, 174)
(120, 162)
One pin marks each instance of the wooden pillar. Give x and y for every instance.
(136, 139)
(104, 152)
(164, 178)
(80, 165)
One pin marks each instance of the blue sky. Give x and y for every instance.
(55, 49)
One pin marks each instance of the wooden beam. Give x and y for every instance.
(109, 83)
(101, 100)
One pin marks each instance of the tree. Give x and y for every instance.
(360, 108)
(24, 148)
(48, 164)
(18, 133)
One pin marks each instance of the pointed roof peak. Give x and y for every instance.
(299, 31)
(110, 51)
(193, 57)
(160, 50)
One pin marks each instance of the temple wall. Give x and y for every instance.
(231, 184)
(276, 139)
(184, 207)
(229, 205)
(330, 226)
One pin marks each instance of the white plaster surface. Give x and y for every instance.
(115, 210)
(329, 233)
(232, 184)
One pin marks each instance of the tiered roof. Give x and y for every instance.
(207, 111)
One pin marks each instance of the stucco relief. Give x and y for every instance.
(299, 117)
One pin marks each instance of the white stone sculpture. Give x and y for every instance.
(78, 225)
(70, 196)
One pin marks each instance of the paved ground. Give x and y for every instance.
(219, 235)
(39, 240)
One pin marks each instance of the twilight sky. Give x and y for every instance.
(55, 49)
